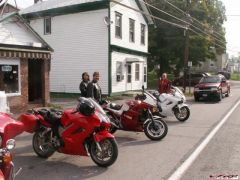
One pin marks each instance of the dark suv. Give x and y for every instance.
(212, 87)
(195, 78)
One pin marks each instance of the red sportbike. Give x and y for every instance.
(9, 128)
(136, 115)
(81, 131)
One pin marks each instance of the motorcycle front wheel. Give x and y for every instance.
(41, 144)
(157, 130)
(108, 153)
(183, 114)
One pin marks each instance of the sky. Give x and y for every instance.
(232, 24)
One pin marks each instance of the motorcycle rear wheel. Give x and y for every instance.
(183, 115)
(108, 155)
(158, 132)
(41, 145)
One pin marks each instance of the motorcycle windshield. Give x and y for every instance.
(100, 112)
(150, 99)
(97, 106)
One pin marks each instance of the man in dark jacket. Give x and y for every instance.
(93, 88)
(83, 85)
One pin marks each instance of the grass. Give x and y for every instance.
(235, 76)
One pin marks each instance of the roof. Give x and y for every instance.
(60, 7)
(53, 4)
(17, 33)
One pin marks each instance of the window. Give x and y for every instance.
(119, 71)
(129, 73)
(145, 74)
(118, 25)
(131, 30)
(9, 78)
(47, 25)
(137, 72)
(143, 29)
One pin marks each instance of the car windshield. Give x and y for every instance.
(210, 79)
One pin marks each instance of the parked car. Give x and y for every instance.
(225, 73)
(195, 78)
(214, 86)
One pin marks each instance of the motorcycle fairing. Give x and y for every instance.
(9, 128)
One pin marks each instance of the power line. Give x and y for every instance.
(158, 18)
(220, 41)
(166, 21)
(221, 36)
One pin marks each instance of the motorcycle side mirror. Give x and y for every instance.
(10, 144)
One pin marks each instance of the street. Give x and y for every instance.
(141, 158)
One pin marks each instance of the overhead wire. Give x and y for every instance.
(199, 22)
(168, 22)
(188, 23)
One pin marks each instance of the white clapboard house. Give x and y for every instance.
(94, 35)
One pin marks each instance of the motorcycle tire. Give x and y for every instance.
(111, 152)
(48, 151)
(154, 134)
(182, 118)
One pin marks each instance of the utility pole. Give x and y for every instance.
(186, 52)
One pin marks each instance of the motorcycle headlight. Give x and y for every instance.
(10, 144)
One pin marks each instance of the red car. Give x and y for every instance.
(212, 87)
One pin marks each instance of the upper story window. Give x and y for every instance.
(131, 30)
(118, 25)
(47, 25)
(143, 32)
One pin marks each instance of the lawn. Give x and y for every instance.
(235, 76)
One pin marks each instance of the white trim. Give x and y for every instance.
(13, 62)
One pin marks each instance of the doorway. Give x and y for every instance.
(35, 81)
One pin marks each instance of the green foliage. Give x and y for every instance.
(167, 43)
(235, 76)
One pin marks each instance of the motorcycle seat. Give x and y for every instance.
(116, 107)
(51, 116)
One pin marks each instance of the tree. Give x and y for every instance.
(167, 42)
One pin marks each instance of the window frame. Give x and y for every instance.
(137, 75)
(144, 74)
(119, 73)
(131, 30)
(117, 14)
(45, 25)
(129, 75)
(15, 62)
(143, 34)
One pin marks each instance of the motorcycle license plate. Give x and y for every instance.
(204, 95)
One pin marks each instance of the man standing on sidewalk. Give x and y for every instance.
(93, 88)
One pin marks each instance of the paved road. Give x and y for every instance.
(140, 158)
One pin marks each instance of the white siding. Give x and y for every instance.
(16, 33)
(126, 14)
(80, 43)
(122, 86)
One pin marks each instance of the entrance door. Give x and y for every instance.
(35, 81)
(129, 77)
